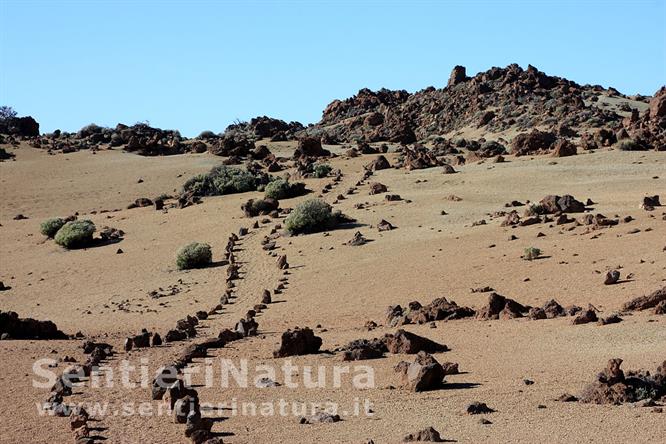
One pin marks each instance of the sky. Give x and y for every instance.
(200, 65)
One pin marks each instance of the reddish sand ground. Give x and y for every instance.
(338, 288)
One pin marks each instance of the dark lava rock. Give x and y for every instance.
(298, 342)
(406, 342)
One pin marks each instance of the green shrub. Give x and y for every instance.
(281, 189)
(224, 179)
(531, 253)
(259, 207)
(194, 255)
(200, 185)
(310, 216)
(50, 227)
(277, 189)
(629, 145)
(75, 234)
(646, 393)
(321, 170)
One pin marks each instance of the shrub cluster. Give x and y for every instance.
(194, 255)
(531, 253)
(224, 179)
(75, 234)
(259, 207)
(311, 216)
(321, 170)
(280, 188)
(50, 227)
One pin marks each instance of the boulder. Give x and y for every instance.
(564, 148)
(377, 188)
(428, 435)
(585, 317)
(612, 277)
(612, 386)
(553, 204)
(424, 374)
(458, 75)
(384, 225)
(298, 342)
(645, 302)
(533, 143)
(310, 147)
(380, 163)
(27, 328)
(403, 341)
(499, 306)
(361, 349)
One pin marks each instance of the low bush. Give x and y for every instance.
(321, 170)
(531, 253)
(194, 255)
(50, 227)
(224, 179)
(310, 216)
(259, 207)
(75, 234)
(281, 189)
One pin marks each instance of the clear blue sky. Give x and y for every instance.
(195, 65)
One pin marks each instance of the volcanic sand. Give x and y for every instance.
(105, 295)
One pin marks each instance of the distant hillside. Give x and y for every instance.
(498, 103)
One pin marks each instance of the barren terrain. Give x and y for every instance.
(335, 289)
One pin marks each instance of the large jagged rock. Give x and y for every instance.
(534, 142)
(553, 204)
(403, 341)
(264, 127)
(380, 163)
(500, 307)
(310, 147)
(298, 342)
(424, 374)
(426, 435)
(27, 328)
(361, 349)
(648, 129)
(458, 75)
(232, 144)
(439, 309)
(419, 157)
(148, 141)
(644, 302)
(19, 127)
(564, 148)
(549, 310)
(613, 386)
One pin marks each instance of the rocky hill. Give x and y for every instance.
(498, 103)
(525, 109)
